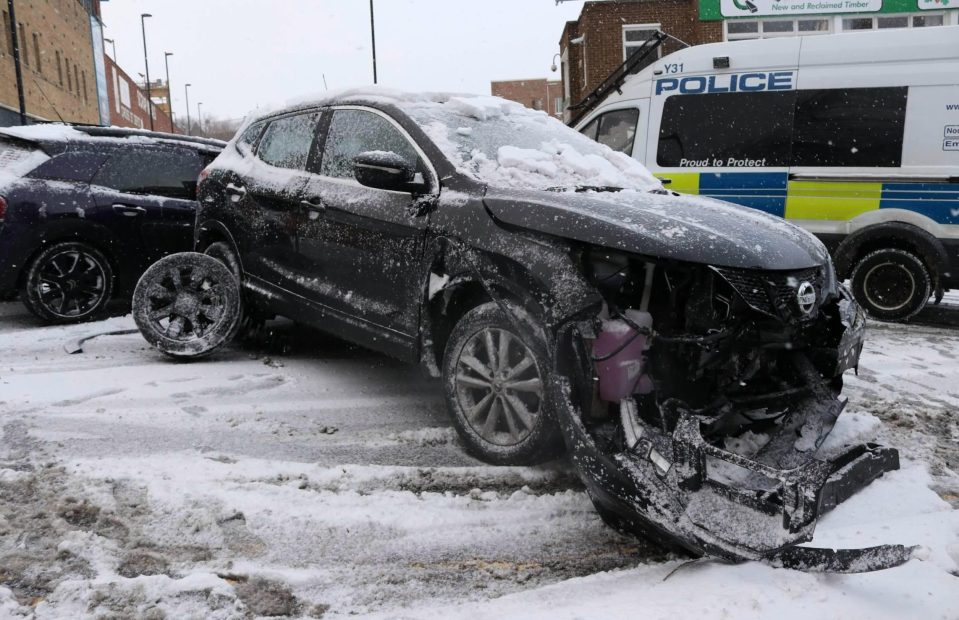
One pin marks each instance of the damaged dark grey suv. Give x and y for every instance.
(689, 353)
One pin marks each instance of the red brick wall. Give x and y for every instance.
(536, 93)
(133, 115)
(601, 23)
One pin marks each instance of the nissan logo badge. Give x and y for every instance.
(806, 295)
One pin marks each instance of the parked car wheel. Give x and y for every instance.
(187, 305)
(891, 284)
(495, 377)
(68, 282)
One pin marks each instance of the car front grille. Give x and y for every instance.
(774, 292)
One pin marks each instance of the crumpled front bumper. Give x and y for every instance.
(687, 493)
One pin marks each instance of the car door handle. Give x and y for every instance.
(235, 190)
(129, 210)
(314, 208)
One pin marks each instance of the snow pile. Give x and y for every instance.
(505, 144)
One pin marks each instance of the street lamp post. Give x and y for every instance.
(113, 44)
(199, 117)
(373, 36)
(146, 62)
(15, 40)
(169, 90)
(186, 91)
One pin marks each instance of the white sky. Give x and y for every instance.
(240, 54)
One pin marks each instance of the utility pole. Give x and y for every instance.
(169, 90)
(373, 35)
(146, 61)
(186, 91)
(199, 117)
(15, 38)
(113, 44)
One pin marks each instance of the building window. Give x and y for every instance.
(36, 52)
(558, 106)
(59, 69)
(769, 28)
(69, 79)
(76, 78)
(634, 37)
(924, 20)
(6, 34)
(879, 22)
(85, 94)
(24, 50)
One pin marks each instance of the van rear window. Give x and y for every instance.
(726, 130)
(850, 127)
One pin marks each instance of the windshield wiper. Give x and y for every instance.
(585, 188)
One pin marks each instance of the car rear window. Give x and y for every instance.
(19, 158)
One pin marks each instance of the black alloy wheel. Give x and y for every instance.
(187, 305)
(68, 282)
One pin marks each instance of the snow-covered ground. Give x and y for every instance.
(310, 478)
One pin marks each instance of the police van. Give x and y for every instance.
(854, 136)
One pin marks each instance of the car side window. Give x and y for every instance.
(288, 141)
(357, 131)
(171, 174)
(248, 137)
(617, 129)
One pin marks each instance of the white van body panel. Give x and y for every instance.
(922, 191)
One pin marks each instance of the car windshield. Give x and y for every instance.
(505, 144)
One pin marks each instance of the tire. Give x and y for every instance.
(222, 251)
(502, 420)
(187, 305)
(68, 282)
(891, 284)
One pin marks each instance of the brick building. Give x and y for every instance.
(538, 94)
(57, 59)
(128, 103)
(606, 33)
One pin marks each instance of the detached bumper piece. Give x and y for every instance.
(686, 492)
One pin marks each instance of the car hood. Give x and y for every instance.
(674, 226)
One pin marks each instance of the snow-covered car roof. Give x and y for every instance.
(500, 142)
(61, 132)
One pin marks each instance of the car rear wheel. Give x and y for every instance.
(891, 284)
(68, 282)
(187, 305)
(496, 374)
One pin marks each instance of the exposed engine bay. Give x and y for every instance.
(700, 399)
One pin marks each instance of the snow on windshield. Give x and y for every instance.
(505, 144)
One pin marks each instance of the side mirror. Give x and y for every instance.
(384, 170)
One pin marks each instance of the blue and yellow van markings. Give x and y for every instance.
(774, 193)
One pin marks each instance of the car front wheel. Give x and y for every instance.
(891, 284)
(68, 282)
(495, 375)
(187, 305)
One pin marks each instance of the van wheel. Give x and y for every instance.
(891, 284)
(187, 305)
(495, 377)
(68, 283)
